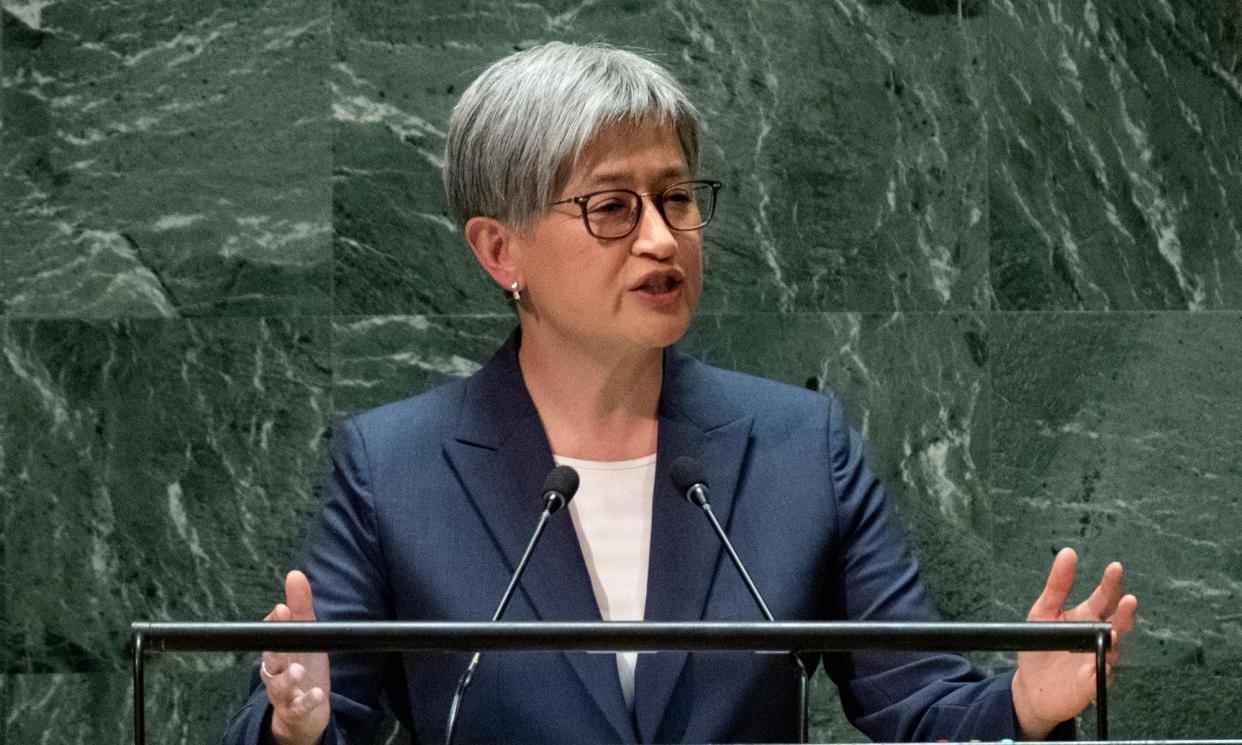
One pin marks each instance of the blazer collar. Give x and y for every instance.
(501, 455)
(496, 399)
(696, 420)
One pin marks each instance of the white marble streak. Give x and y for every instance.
(29, 12)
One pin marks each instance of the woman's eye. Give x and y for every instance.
(609, 206)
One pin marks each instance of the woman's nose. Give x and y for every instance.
(654, 237)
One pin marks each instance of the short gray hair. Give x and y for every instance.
(520, 127)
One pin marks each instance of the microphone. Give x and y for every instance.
(559, 487)
(688, 477)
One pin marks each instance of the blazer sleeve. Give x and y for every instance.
(896, 696)
(345, 565)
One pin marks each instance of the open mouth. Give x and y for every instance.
(659, 283)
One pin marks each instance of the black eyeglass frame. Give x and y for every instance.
(657, 198)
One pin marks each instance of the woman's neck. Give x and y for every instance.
(594, 405)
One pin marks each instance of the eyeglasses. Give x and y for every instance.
(615, 213)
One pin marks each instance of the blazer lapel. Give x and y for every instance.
(685, 552)
(501, 456)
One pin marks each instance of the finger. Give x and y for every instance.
(297, 677)
(1086, 677)
(273, 664)
(298, 595)
(281, 689)
(1123, 617)
(1108, 676)
(1104, 598)
(306, 702)
(279, 612)
(1089, 675)
(1051, 601)
(276, 662)
(1114, 649)
(1123, 623)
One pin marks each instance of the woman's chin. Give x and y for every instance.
(663, 319)
(665, 331)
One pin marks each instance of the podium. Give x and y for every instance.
(393, 636)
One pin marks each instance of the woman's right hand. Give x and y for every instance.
(297, 684)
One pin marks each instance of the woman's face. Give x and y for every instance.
(619, 295)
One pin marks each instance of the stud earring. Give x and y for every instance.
(515, 293)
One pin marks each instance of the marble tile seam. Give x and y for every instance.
(1121, 312)
(379, 316)
(960, 311)
(243, 319)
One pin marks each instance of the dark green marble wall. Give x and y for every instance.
(1008, 232)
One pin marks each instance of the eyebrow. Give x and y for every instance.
(602, 179)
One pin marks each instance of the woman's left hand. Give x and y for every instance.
(1051, 687)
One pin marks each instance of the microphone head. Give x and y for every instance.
(686, 473)
(561, 482)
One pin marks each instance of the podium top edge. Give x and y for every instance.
(778, 627)
(405, 636)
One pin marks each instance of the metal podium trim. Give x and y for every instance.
(614, 636)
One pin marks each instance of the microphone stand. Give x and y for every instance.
(700, 498)
(464, 682)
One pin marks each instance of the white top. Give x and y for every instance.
(612, 517)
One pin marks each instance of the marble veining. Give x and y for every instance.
(1122, 445)
(150, 467)
(165, 164)
(1138, 107)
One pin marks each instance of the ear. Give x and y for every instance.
(496, 248)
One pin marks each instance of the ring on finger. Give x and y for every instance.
(263, 671)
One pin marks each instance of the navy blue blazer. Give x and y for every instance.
(430, 504)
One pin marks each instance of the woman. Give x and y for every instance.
(572, 170)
